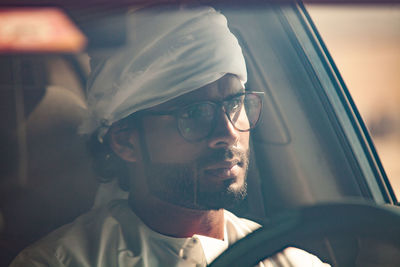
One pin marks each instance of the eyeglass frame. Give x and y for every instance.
(218, 104)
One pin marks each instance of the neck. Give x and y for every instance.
(175, 221)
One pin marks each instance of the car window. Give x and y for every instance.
(299, 86)
(362, 40)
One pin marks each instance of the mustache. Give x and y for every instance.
(224, 154)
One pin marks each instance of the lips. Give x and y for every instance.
(224, 170)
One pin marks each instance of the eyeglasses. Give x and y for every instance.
(198, 120)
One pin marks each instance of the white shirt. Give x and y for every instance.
(114, 236)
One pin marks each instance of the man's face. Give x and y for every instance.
(205, 174)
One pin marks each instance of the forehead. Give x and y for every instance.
(222, 88)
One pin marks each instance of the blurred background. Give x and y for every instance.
(364, 41)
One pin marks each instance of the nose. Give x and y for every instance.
(224, 134)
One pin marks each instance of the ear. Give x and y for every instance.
(122, 142)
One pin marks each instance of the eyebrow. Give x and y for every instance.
(228, 97)
(179, 103)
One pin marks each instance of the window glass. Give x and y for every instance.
(363, 41)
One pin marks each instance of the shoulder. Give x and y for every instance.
(74, 244)
(237, 228)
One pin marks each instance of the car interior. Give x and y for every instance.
(309, 148)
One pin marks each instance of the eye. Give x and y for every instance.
(198, 111)
(234, 105)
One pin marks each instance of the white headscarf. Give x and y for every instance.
(170, 52)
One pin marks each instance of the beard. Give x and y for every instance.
(183, 184)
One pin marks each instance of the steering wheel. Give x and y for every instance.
(299, 227)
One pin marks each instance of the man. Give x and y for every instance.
(170, 119)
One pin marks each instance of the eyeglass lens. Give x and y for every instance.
(198, 120)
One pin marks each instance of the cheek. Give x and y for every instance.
(244, 140)
(166, 145)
